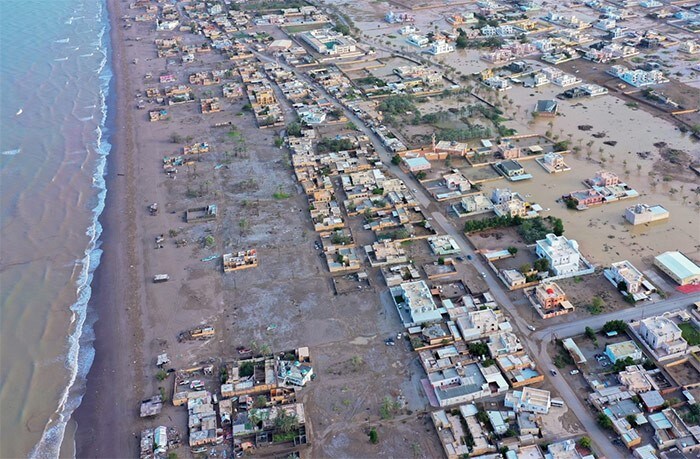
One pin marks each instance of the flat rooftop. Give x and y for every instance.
(679, 264)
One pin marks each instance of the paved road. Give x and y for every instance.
(536, 344)
(566, 330)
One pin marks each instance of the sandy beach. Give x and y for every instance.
(103, 419)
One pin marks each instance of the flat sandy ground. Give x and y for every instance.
(291, 289)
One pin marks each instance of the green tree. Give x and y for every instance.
(478, 349)
(260, 402)
(557, 226)
(462, 41)
(614, 325)
(604, 421)
(512, 250)
(590, 333)
(285, 421)
(396, 160)
(541, 265)
(585, 442)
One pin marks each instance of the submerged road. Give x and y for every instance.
(535, 343)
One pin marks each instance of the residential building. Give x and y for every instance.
(416, 299)
(467, 383)
(504, 343)
(640, 214)
(604, 178)
(672, 431)
(546, 108)
(635, 379)
(457, 181)
(443, 245)
(508, 151)
(501, 195)
(662, 334)
(624, 271)
(328, 42)
(440, 47)
(417, 164)
(453, 428)
(652, 400)
(689, 47)
(585, 198)
(513, 278)
(511, 168)
(420, 41)
(385, 253)
(477, 324)
(549, 295)
(622, 350)
(476, 203)
(565, 449)
(529, 399)
(562, 253)
(553, 162)
(678, 267)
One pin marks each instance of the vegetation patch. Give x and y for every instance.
(690, 334)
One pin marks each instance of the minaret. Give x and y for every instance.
(433, 137)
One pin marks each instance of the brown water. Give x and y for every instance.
(602, 232)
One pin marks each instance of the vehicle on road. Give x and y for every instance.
(553, 371)
(469, 257)
(459, 258)
(531, 328)
(483, 275)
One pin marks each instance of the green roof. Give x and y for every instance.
(679, 264)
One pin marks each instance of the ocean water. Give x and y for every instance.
(55, 78)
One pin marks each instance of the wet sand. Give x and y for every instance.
(104, 416)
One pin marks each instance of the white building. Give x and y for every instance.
(418, 40)
(476, 203)
(407, 30)
(562, 253)
(624, 271)
(529, 399)
(663, 334)
(642, 213)
(417, 301)
(440, 47)
(501, 195)
(477, 324)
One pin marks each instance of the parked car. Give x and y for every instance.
(574, 372)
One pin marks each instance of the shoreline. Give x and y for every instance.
(101, 430)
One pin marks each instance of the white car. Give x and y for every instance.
(574, 372)
(531, 328)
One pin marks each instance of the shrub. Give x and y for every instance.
(373, 436)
